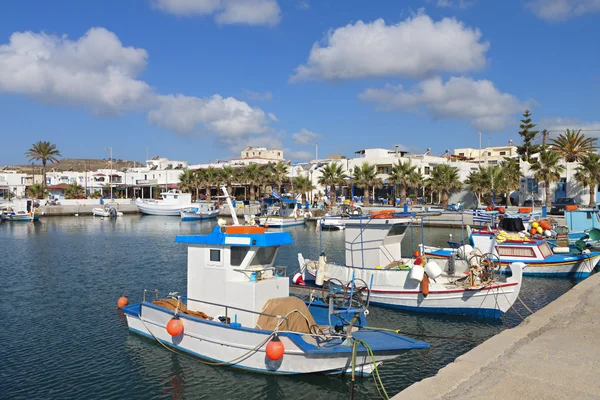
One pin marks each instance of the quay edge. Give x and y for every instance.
(552, 354)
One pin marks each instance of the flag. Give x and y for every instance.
(275, 195)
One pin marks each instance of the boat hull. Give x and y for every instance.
(20, 218)
(278, 222)
(244, 348)
(161, 209)
(192, 216)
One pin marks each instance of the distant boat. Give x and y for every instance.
(280, 212)
(199, 211)
(171, 203)
(106, 212)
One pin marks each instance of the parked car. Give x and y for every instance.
(558, 207)
(531, 203)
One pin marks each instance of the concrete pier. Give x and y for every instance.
(553, 354)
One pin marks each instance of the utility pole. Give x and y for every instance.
(544, 135)
(316, 151)
(111, 171)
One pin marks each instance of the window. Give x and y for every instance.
(237, 255)
(215, 255)
(426, 170)
(175, 197)
(545, 250)
(461, 154)
(246, 154)
(264, 255)
(515, 251)
(278, 154)
(489, 153)
(502, 153)
(397, 229)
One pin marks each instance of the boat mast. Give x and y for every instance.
(230, 205)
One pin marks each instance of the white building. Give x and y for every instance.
(490, 155)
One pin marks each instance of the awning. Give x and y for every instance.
(99, 175)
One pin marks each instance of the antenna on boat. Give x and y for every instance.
(230, 204)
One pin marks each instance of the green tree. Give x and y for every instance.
(74, 191)
(588, 174)
(252, 178)
(43, 151)
(477, 183)
(230, 175)
(211, 178)
(528, 148)
(573, 145)
(444, 179)
(187, 180)
(365, 177)
(510, 177)
(547, 168)
(401, 174)
(415, 180)
(332, 175)
(302, 185)
(280, 173)
(37, 191)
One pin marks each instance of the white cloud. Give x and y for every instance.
(302, 5)
(479, 102)
(560, 10)
(258, 96)
(557, 125)
(95, 71)
(298, 155)
(305, 137)
(416, 47)
(251, 12)
(462, 4)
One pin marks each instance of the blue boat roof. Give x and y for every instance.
(218, 238)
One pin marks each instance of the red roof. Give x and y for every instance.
(60, 186)
(99, 175)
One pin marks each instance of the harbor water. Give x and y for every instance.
(63, 337)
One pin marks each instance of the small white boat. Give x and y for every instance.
(107, 212)
(373, 254)
(23, 216)
(171, 203)
(199, 211)
(21, 210)
(280, 212)
(238, 312)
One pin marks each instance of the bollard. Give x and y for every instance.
(544, 211)
(405, 207)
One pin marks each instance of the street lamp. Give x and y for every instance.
(110, 176)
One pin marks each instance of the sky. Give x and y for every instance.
(199, 80)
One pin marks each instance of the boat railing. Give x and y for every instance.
(226, 308)
(278, 271)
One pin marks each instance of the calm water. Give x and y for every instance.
(63, 337)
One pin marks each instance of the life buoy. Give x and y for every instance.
(425, 285)
(489, 208)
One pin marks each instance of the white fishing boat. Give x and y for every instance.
(238, 312)
(171, 203)
(281, 212)
(199, 211)
(373, 254)
(22, 210)
(106, 212)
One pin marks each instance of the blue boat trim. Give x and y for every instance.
(477, 312)
(217, 238)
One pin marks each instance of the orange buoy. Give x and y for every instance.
(501, 210)
(533, 231)
(266, 226)
(175, 326)
(122, 302)
(418, 261)
(425, 285)
(275, 348)
(417, 253)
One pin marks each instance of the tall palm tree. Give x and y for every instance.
(302, 185)
(444, 179)
(44, 151)
(400, 174)
(252, 178)
(415, 179)
(187, 180)
(477, 183)
(211, 178)
(280, 173)
(267, 179)
(332, 175)
(365, 177)
(588, 173)
(74, 191)
(547, 168)
(573, 145)
(229, 175)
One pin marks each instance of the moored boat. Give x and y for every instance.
(170, 204)
(199, 211)
(281, 212)
(106, 212)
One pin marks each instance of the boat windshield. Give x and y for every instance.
(264, 255)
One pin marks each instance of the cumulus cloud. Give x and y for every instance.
(479, 102)
(305, 137)
(454, 4)
(250, 12)
(298, 155)
(560, 10)
(557, 125)
(258, 96)
(416, 48)
(96, 71)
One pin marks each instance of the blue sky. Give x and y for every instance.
(200, 79)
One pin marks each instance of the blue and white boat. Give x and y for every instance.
(281, 211)
(581, 222)
(199, 211)
(540, 258)
(238, 312)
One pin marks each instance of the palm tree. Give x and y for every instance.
(401, 173)
(477, 183)
(44, 151)
(444, 178)
(229, 175)
(302, 185)
(211, 178)
(37, 191)
(252, 176)
(280, 173)
(573, 145)
(415, 179)
(74, 191)
(510, 176)
(365, 177)
(267, 178)
(187, 180)
(588, 173)
(547, 168)
(331, 175)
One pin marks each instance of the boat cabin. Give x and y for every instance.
(374, 243)
(514, 249)
(234, 266)
(175, 197)
(283, 207)
(581, 220)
